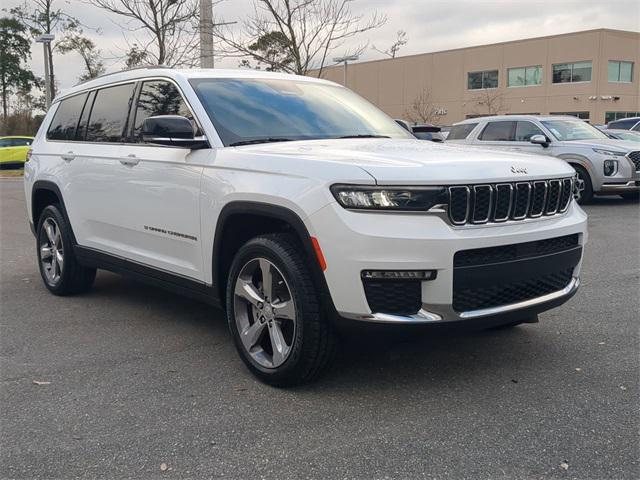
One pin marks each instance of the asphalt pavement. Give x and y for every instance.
(135, 382)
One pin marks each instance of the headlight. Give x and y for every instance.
(610, 167)
(611, 153)
(389, 198)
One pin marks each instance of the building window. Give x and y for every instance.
(480, 80)
(611, 116)
(572, 72)
(620, 71)
(524, 76)
(580, 115)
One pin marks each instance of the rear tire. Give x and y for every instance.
(59, 268)
(586, 192)
(274, 313)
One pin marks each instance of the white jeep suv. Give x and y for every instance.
(604, 165)
(296, 206)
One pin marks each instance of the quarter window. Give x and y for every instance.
(479, 80)
(620, 71)
(524, 76)
(109, 114)
(498, 132)
(65, 120)
(526, 130)
(572, 72)
(158, 97)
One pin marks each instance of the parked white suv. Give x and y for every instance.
(604, 165)
(295, 205)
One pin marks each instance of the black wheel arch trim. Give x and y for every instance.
(280, 213)
(40, 185)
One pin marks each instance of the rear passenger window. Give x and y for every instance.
(460, 132)
(158, 97)
(65, 120)
(498, 132)
(109, 114)
(526, 130)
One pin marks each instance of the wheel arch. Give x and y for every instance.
(239, 221)
(43, 194)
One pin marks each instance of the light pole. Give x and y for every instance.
(45, 40)
(345, 60)
(206, 33)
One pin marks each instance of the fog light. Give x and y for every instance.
(610, 167)
(400, 274)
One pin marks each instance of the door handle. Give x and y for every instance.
(67, 157)
(130, 160)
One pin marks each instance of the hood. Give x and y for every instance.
(606, 143)
(408, 161)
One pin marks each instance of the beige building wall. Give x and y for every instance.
(393, 84)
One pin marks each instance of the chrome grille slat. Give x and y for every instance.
(498, 201)
(514, 201)
(480, 205)
(553, 197)
(539, 198)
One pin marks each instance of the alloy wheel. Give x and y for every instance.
(265, 313)
(51, 251)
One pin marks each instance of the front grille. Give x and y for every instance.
(635, 158)
(398, 297)
(516, 251)
(507, 293)
(477, 204)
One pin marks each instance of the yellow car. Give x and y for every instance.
(13, 151)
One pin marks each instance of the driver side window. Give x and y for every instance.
(158, 97)
(526, 130)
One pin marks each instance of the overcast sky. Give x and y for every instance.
(431, 25)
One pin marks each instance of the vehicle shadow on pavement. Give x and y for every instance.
(365, 360)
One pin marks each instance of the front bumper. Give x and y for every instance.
(616, 188)
(357, 241)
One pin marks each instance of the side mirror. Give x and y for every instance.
(173, 131)
(539, 140)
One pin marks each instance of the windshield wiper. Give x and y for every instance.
(365, 136)
(260, 140)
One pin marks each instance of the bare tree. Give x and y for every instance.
(42, 16)
(490, 101)
(423, 108)
(162, 32)
(308, 30)
(85, 47)
(392, 51)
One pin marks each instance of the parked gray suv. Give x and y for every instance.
(604, 165)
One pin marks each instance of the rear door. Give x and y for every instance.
(498, 135)
(93, 160)
(159, 206)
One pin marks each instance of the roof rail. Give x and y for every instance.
(146, 67)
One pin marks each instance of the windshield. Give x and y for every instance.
(248, 111)
(565, 130)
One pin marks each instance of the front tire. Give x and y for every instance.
(59, 268)
(585, 187)
(274, 313)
